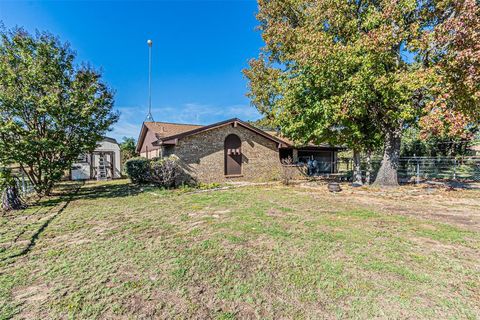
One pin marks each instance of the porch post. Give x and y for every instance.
(295, 155)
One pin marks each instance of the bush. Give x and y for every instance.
(165, 172)
(138, 170)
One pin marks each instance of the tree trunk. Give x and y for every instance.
(368, 173)
(387, 174)
(357, 169)
(11, 199)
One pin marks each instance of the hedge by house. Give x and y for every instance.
(165, 172)
(138, 169)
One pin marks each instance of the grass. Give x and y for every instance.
(118, 251)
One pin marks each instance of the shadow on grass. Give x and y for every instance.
(107, 191)
(69, 192)
(51, 202)
(89, 191)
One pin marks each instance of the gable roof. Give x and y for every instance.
(235, 121)
(168, 133)
(163, 129)
(166, 129)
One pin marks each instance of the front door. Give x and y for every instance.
(233, 155)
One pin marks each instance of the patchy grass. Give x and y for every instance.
(118, 251)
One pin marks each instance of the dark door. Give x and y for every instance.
(233, 155)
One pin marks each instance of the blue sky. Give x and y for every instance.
(199, 50)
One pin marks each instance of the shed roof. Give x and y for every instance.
(112, 140)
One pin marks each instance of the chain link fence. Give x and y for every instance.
(24, 185)
(411, 169)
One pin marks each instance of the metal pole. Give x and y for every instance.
(418, 171)
(24, 188)
(454, 169)
(149, 115)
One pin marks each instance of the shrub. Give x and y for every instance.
(138, 169)
(165, 172)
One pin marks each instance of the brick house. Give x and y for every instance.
(230, 149)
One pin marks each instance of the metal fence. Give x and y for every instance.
(24, 184)
(415, 168)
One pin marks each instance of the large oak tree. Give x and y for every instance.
(51, 111)
(347, 71)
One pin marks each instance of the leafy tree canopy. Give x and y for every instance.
(128, 148)
(51, 110)
(362, 71)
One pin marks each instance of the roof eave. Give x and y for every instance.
(234, 121)
(141, 138)
(166, 142)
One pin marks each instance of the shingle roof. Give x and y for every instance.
(167, 129)
(198, 129)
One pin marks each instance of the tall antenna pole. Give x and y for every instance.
(149, 115)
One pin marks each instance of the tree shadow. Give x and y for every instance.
(68, 194)
(107, 191)
(44, 225)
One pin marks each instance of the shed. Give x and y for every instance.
(102, 164)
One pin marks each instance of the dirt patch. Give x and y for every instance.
(32, 297)
(33, 293)
(459, 207)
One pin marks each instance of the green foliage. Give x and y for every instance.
(6, 178)
(413, 144)
(165, 172)
(359, 72)
(264, 124)
(138, 169)
(128, 149)
(208, 186)
(51, 110)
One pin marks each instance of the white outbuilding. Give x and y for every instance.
(103, 163)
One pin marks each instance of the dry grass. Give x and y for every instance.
(254, 252)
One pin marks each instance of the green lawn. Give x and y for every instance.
(114, 250)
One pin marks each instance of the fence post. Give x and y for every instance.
(455, 169)
(418, 171)
(24, 188)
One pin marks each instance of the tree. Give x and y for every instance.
(416, 142)
(128, 149)
(51, 110)
(371, 68)
(326, 123)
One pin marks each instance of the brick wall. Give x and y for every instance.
(202, 155)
